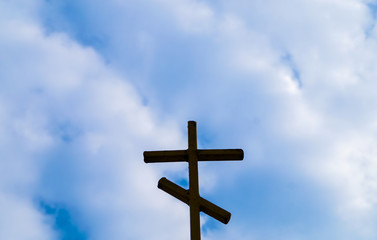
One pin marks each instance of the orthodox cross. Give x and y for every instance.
(191, 196)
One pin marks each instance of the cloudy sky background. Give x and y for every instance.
(87, 86)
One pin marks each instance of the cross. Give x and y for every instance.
(191, 196)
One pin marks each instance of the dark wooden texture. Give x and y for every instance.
(204, 205)
(191, 196)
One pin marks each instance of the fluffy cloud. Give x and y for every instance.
(84, 94)
(72, 136)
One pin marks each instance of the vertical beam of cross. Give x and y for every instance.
(193, 181)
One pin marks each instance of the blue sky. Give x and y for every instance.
(87, 86)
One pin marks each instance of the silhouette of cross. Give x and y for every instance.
(191, 196)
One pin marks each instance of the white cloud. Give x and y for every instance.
(73, 134)
(21, 221)
(192, 16)
(75, 128)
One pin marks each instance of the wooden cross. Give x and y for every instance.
(191, 196)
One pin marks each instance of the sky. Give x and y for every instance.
(87, 86)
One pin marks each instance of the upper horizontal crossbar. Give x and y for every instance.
(165, 156)
(220, 154)
(203, 155)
